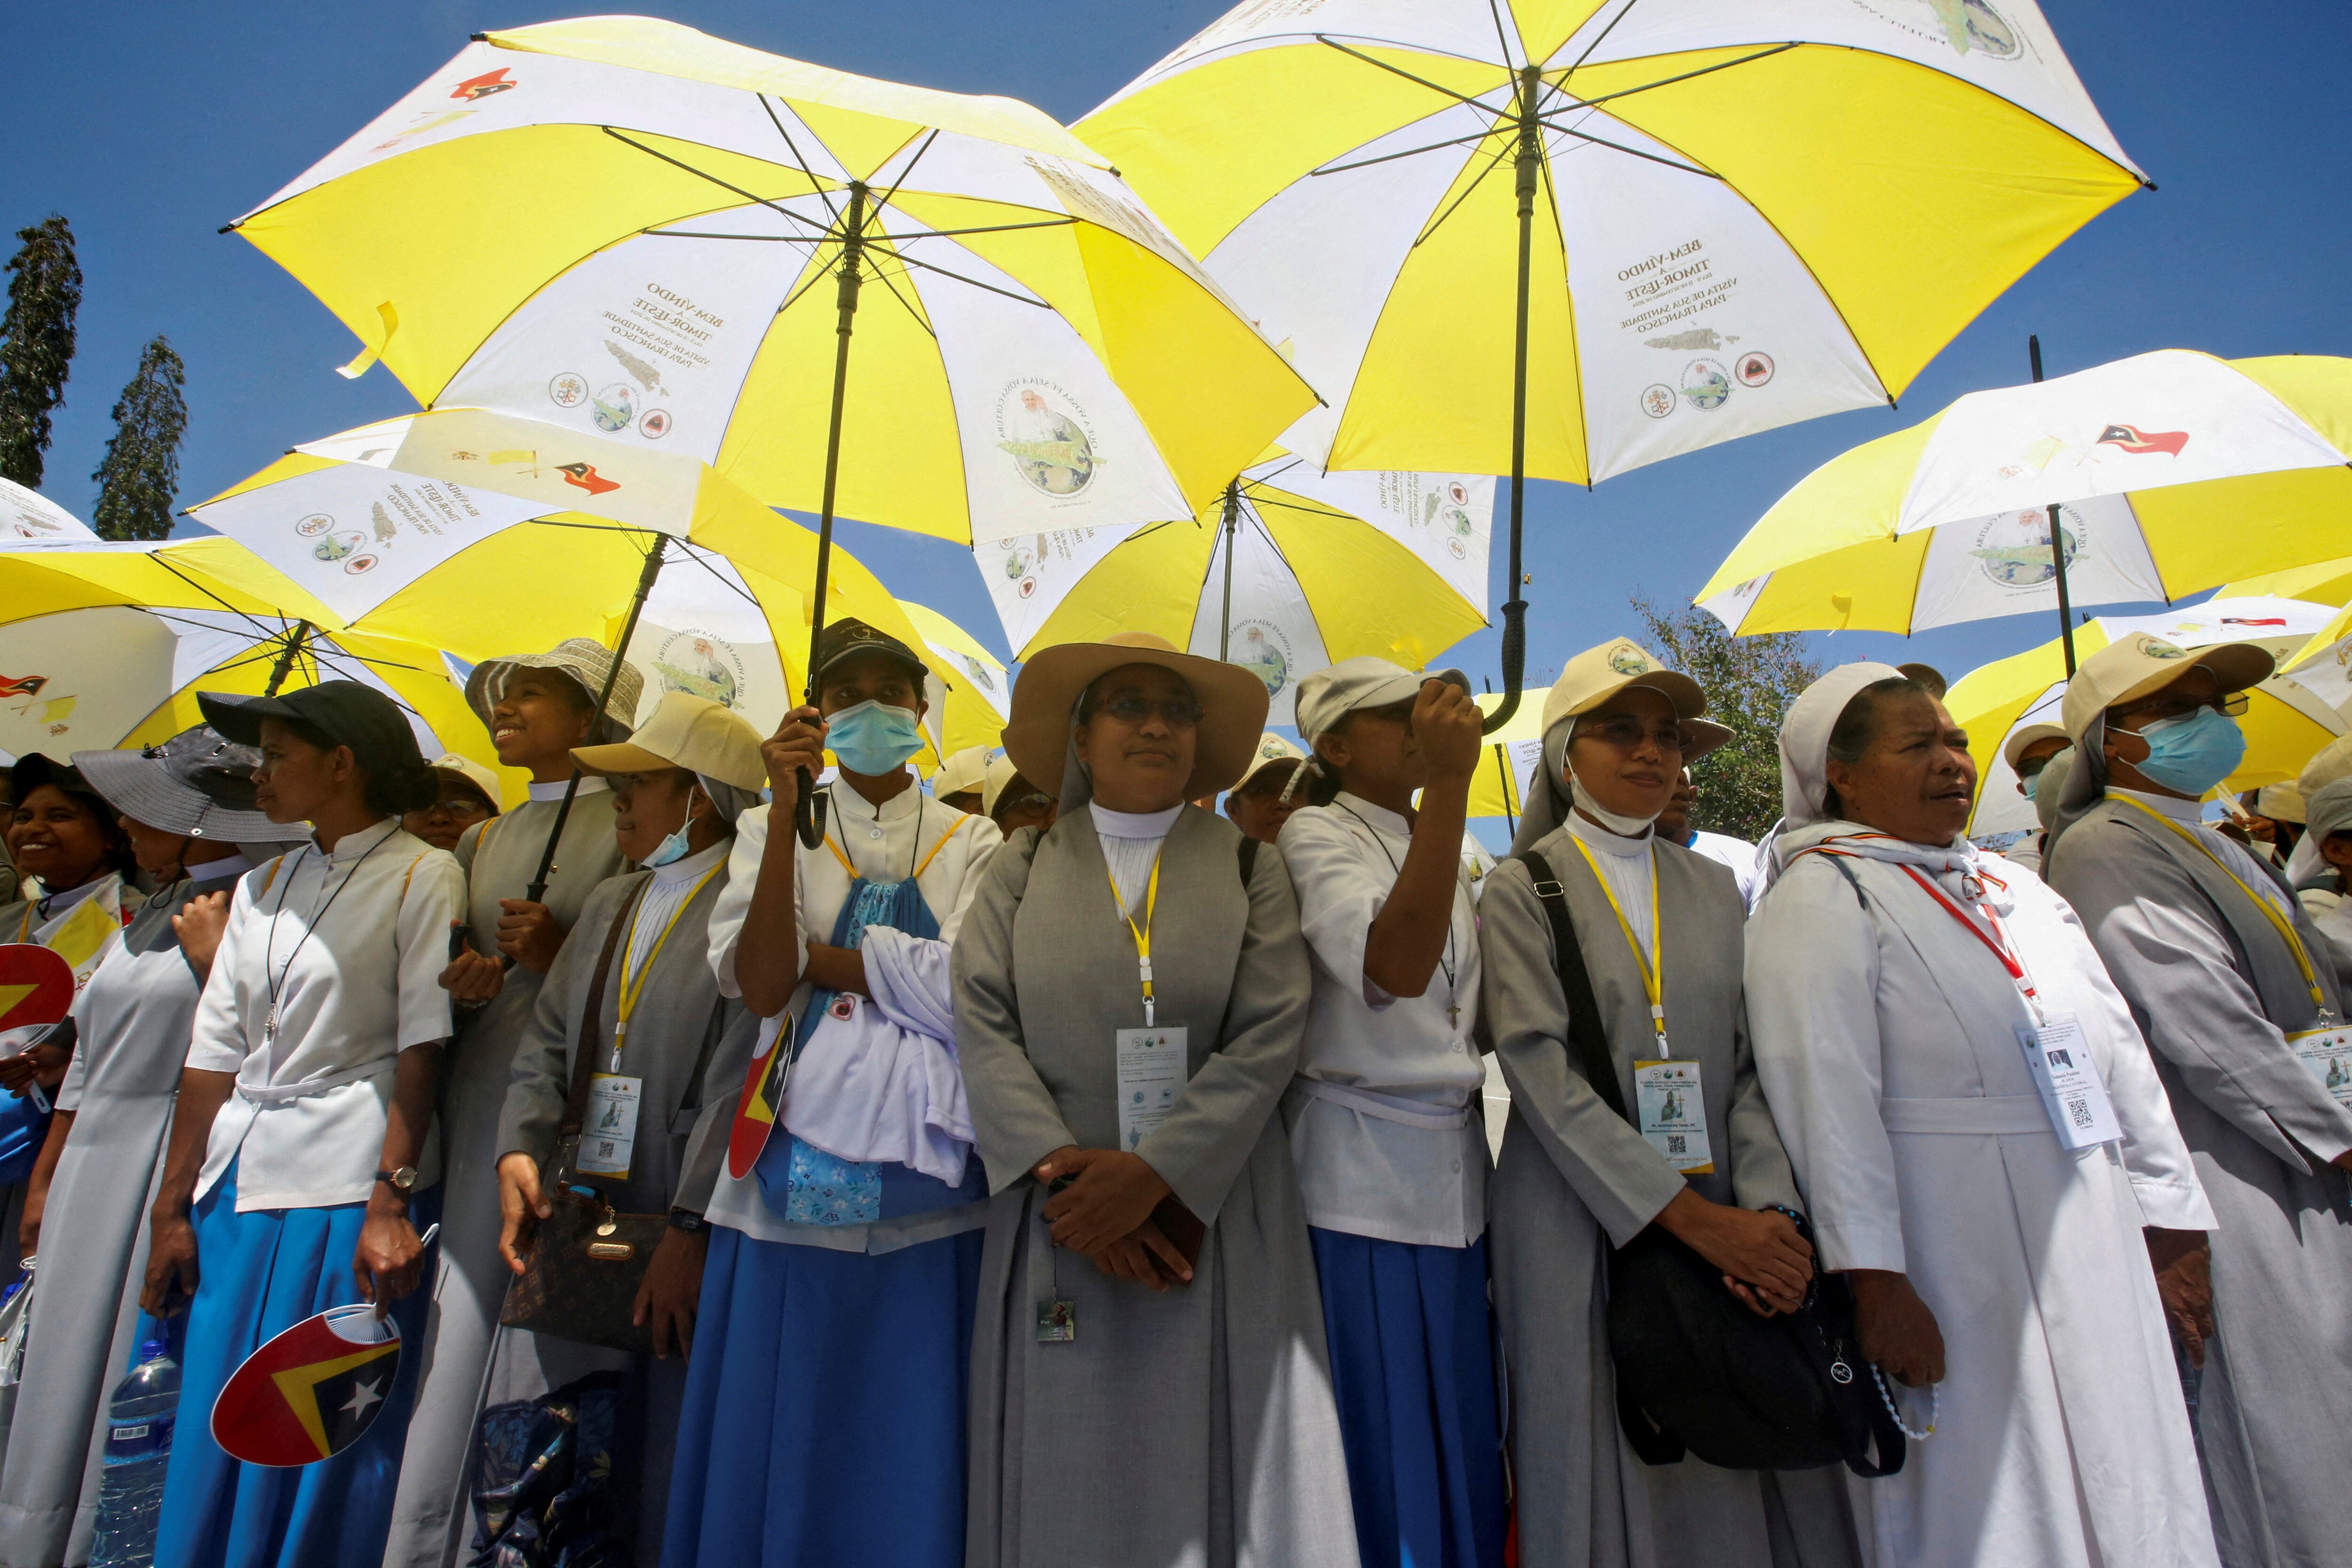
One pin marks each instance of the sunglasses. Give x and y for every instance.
(1177, 713)
(1626, 731)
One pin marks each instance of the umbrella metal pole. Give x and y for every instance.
(537, 891)
(285, 657)
(808, 813)
(1529, 167)
(1233, 527)
(2057, 540)
(1503, 773)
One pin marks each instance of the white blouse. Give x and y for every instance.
(1381, 1131)
(344, 950)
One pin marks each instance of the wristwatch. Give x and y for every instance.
(686, 1219)
(402, 1181)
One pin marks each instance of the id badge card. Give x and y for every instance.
(2327, 1055)
(1153, 1066)
(610, 1134)
(1671, 1109)
(2069, 1081)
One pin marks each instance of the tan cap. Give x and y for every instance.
(686, 731)
(961, 773)
(2028, 735)
(1044, 700)
(585, 661)
(482, 777)
(2329, 763)
(1000, 775)
(2141, 663)
(2280, 802)
(1366, 681)
(1594, 676)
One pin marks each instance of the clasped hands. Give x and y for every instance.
(1106, 1214)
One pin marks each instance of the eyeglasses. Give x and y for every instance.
(1180, 713)
(1039, 802)
(1625, 731)
(2179, 705)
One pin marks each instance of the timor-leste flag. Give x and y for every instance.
(2132, 438)
(763, 1097)
(310, 1393)
(37, 986)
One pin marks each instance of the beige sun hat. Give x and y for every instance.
(1233, 705)
(686, 731)
(2141, 664)
(2280, 803)
(473, 772)
(961, 773)
(1594, 676)
(585, 661)
(2029, 734)
(1000, 775)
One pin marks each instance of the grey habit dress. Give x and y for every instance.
(1194, 1428)
(674, 1035)
(2212, 986)
(1575, 1180)
(134, 1019)
(501, 857)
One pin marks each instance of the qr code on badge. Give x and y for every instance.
(2081, 1110)
(1676, 1144)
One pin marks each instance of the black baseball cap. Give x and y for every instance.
(849, 637)
(345, 712)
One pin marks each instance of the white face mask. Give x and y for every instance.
(1622, 826)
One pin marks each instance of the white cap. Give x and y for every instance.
(2028, 735)
(484, 779)
(2141, 663)
(961, 773)
(1334, 692)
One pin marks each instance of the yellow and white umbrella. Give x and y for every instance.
(2171, 472)
(2322, 582)
(639, 232)
(980, 695)
(1290, 571)
(1507, 770)
(29, 515)
(2323, 664)
(2286, 719)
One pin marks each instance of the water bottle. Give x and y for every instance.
(138, 1448)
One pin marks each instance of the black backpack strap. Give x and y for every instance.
(1247, 852)
(1588, 1041)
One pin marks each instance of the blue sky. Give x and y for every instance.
(151, 124)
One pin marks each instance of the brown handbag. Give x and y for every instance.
(581, 1277)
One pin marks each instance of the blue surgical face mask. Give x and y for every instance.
(872, 738)
(2194, 752)
(2033, 785)
(674, 847)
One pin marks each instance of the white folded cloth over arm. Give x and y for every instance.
(882, 1083)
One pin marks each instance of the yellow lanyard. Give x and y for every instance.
(1652, 978)
(1142, 934)
(2287, 932)
(631, 992)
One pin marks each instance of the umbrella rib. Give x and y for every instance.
(793, 148)
(1507, 149)
(907, 260)
(1596, 43)
(1257, 498)
(1669, 81)
(208, 594)
(1502, 38)
(882, 274)
(700, 558)
(823, 229)
(1399, 70)
(816, 239)
(982, 229)
(1408, 152)
(913, 159)
(1630, 151)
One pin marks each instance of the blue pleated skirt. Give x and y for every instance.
(260, 1274)
(825, 1407)
(1413, 1366)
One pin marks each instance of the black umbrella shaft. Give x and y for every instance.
(537, 891)
(1530, 169)
(2057, 540)
(285, 657)
(808, 813)
(1233, 528)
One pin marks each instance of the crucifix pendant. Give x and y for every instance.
(1454, 1015)
(269, 1026)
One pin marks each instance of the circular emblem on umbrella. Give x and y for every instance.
(336, 546)
(1044, 432)
(614, 407)
(2014, 549)
(314, 525)
(1707, 383)
(702, 665)
(569, 390)
(312, 1392)
(655, 425)
(361, 565)
(1755, 370)
(1657, 399)
(37, 986)
(1261, 648)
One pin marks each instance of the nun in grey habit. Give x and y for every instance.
(2216, 988)
(1575, 1180)
(1149, 1384)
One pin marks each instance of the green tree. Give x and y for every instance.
(140, 475)
(37, 344)
(1749, 683)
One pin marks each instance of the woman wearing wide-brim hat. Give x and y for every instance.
(1149, 1371)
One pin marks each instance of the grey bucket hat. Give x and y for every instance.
(585, 661)
(199, 783)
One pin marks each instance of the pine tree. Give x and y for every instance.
(1749, 682)
(140, 475)
(37, 344)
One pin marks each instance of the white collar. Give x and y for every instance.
(58, 903)
(1113, 824)
(353, 844)
(849, 803)
(220, 870)
(1595, 836)
(678, 871)
(588, 785)
(2189, 812)
(1379, 817)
